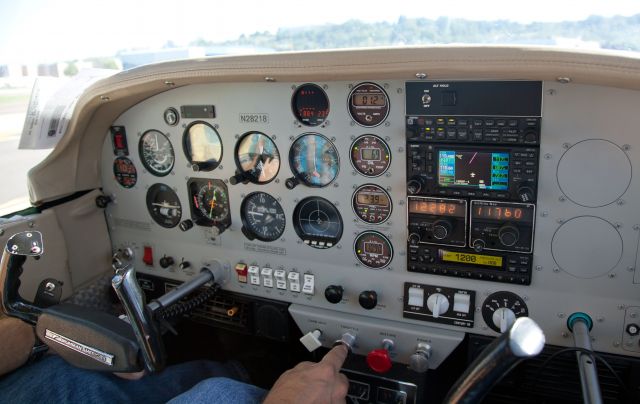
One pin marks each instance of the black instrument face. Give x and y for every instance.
(314, 160)
(310, 105)
(202, 146)
(156, 153)
(373, 249)
(164, 205)
(125, 172)
(502, 300)
(368, 104)
(262, 217)
(372, 204)
(317, 222)
(209, 202)
(370, 155)
(257, 158)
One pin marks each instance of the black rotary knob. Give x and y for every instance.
(291, 183)
(508, 235)
(525, 194)
(441, 229)
(166, 262)
(415, 185)
(333, 293)
(368, 299)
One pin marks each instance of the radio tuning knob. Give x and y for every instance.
(526, 194)
(438, 304)
(441, 229)
(503, 318)
(415, 185)
(414, 239)
(478, 245)
(508, 235)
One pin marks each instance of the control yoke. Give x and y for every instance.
(523, 340)
(88, 338)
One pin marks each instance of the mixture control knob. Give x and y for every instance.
(503, 318)
(478, 245)
(166, 262)
(333, 293)
(419, 360)
(379, 360)
(368, 299)
(441, 229)
(525, 194)
(438, 304)
(508, 235)
(415, 185)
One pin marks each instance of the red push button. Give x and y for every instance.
(147, 258)
(242, 271)
(379, 360)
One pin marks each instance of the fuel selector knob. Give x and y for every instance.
(368, 299)
(438, 304)
(333, 293)
(503, 318)
(508, 235)
(441, 229)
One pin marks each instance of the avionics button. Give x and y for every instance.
(451, 121)
(477, 135)
(489, 122)
(477, 122)
(440, 121)
(428, 122)
(512, 268)
(517, 163)
(513, 122)
(461, 302)
(462, 122)
(523, 270)
(416, 297)
(462, 134)
(471, 193)
(451, 134)
(530, 163)
(501, 122)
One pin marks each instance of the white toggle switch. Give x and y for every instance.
(254, 275)
(308, 285)
(267, 278)
(294, 281)
(311, 340)
(281, 278)
(461, 302)
(438, 304)
(416, 297)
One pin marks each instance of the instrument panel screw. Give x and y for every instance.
(352, 123)
(626, 147)
(388, 175)
(333, 138)
(399, 91)
(538, 267)
(293, 87)
(556, 270)
(31, 224)
(220, 167)
(618, 225)
(636, 227)
(551, 91)
(566, 145)
(616, 344)
(560, 221)
(477, 309)
(562, 198)
(600, 319)
(324, 86)
(633, 315)
(226, 181)
(544, 214)
(547, 156)
(401, 202)
(400, 149)
(277, 180)
(560, 315)
(216, 126)
(631, 269)
(387, 124)
(336, 203)
(350, 86)
(339, 246)
(563, 80)
(421, 76)
(612, 275)
(291, 138)
(336, 185)
(621, 307)
(564, 334)
(620, 202)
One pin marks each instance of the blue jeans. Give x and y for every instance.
(54, 380)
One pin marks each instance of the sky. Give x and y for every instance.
(39, 31)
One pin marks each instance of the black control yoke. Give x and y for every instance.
(88, 338)
(523, 340)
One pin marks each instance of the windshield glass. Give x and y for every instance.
(61, 39)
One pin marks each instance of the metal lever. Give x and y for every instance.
(523, 340)
(580, 324)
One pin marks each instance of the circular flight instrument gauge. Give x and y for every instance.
(368, 104)
(257, 159)
(125, 172)
(372, 204)
(501, 309)
(314, 161)
(317, 222)
(370, 155)
(209, 202)
(262, 217)
(373, 249)
(202, 146)
(310, 105)
(156, 153)
(164, 205)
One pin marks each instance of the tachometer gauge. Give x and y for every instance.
(257, 159)
(202, 146)
(310, 105)
(156, 153)
(372, 204)
(209, 203)
(314, 161)
(370, 155)
(125, 172)
(164, 205)
(368, 104)
(317, 222)
(262, 217)
(373, 249)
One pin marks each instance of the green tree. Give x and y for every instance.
(71, 69)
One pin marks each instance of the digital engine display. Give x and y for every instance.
(471, 169)
(471, 259)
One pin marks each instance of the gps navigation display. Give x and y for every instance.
(472, 169)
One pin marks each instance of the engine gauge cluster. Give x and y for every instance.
(370, 155)
(373, 249)
(368, 104)
(209, 200)
(372, 204)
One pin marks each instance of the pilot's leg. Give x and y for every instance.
(221, 390)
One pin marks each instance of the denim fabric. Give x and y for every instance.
(221, 390)
(54, 380)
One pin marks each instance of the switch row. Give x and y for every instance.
(281, 279)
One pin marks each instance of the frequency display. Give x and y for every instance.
(473, 169)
